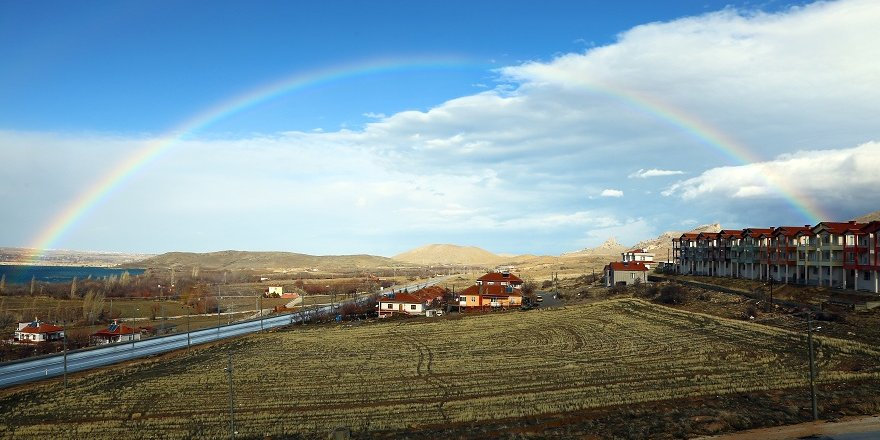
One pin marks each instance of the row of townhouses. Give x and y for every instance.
(843, 255)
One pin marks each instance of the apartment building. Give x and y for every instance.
(843, 255)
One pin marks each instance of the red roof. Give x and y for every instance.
(41, 328)
(500, 277)
(115, 330)
(757, 232)
(731, 233)
(869, 227)
(632, 266)
(406, 298)
(690, 235)
(490, 290)
(637, 251)
(838, 227)
(790, 231)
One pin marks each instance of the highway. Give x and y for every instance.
(44, 367)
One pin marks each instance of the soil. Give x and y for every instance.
(671, 419)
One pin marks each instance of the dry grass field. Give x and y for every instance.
(414, 375)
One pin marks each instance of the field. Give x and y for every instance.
(422, 375)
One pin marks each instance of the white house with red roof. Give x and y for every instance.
(641, 255)
(403, 302)
(625, 273)
(36, 331)
(116, 332)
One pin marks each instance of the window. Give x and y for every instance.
(389, 306)
(412, 306)
(866, 275)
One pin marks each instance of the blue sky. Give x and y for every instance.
(554, 125)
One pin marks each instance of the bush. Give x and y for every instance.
(671, 294)
(617, 289)
(830, 316)
(547, 284)
(750, 312)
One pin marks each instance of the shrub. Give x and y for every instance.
(671, 294)
(750, 312)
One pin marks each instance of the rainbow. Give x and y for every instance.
(79, 208)
(727, 146)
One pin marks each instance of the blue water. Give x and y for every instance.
(59, 274)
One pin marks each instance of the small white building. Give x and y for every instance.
(35, 331)
(640, 255)
(116, 333)
(402, 303)
(275, 291)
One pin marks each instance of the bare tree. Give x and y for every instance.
(93, 306)
(73, 288)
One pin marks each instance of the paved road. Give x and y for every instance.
(39, 368)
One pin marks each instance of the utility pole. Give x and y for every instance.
(231, 399)
(812, 366)
(218, 312)
(771, 293)
(64, 339)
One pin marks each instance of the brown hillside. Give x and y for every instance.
(450, 254)
(264, 261)
(868, 217)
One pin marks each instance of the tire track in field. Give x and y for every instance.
(423, 349)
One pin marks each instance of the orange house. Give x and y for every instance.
(493, 291)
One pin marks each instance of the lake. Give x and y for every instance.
(59, 274)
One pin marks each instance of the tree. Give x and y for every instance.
(93, 306)
(73, 288)
(2, 283)
(33, 283)
(124, 279)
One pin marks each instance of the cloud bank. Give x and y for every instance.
(760, 108)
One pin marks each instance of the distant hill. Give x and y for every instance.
(263, 261)
(609, 247)
(449, 254)
(62, 257)
(660, 246)
(869, 217)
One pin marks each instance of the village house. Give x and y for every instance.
(493, 291)
(35, 332)
(625, 273)
(641, 255)
(403, 303)
(115, 333)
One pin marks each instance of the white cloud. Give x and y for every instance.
(840, 183)
(821, 173)
(611, 193)
(653, 172)
(792, 91)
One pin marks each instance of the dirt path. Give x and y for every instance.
(850, 427)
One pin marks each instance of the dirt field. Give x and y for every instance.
(623, 368)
